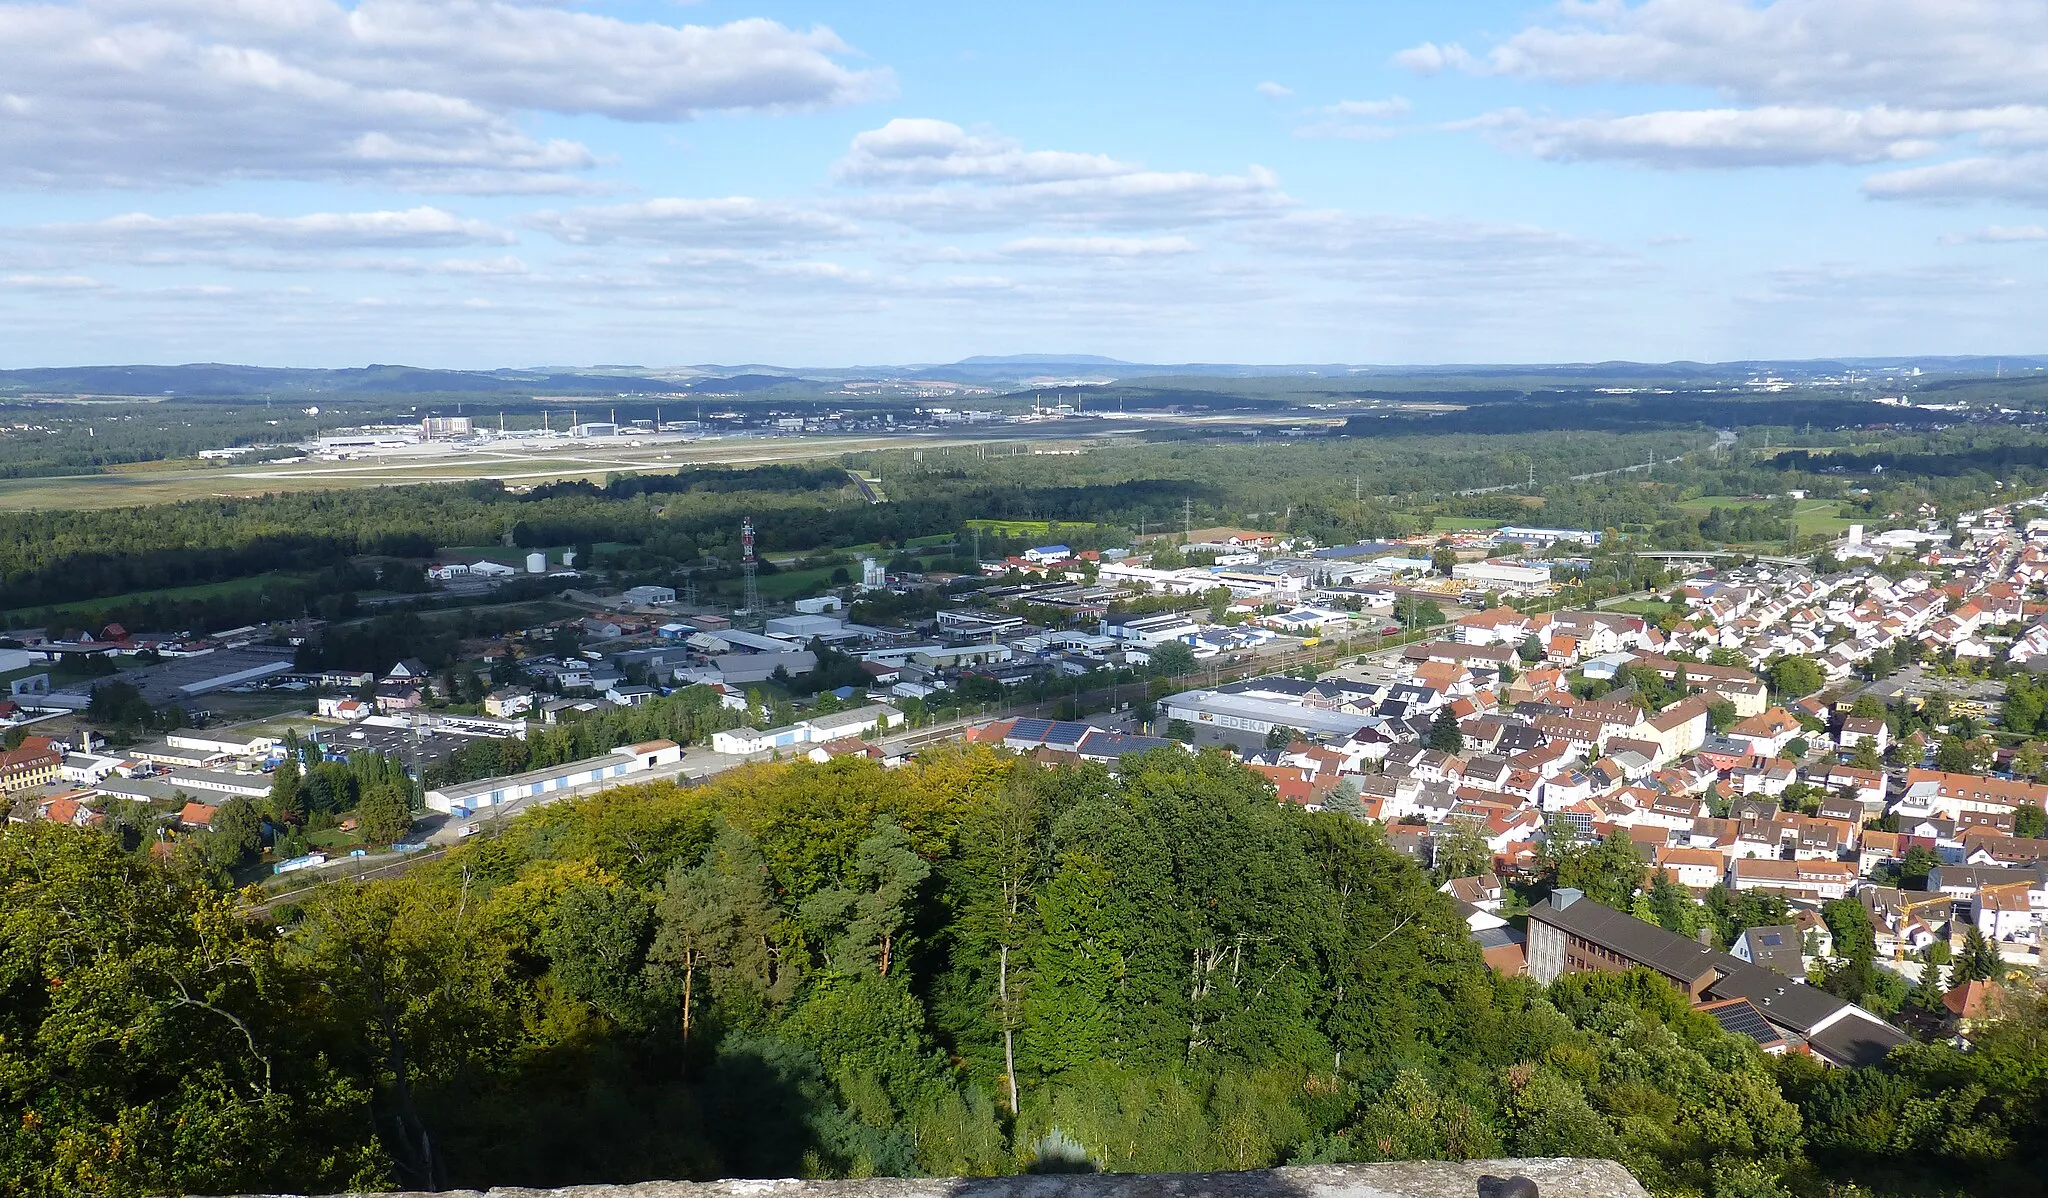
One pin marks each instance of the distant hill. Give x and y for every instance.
(225, 380)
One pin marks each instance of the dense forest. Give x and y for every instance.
(835, 969)
(307, 551)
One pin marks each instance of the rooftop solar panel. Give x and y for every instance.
(1743, 1019)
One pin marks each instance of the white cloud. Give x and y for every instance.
(425, 93)
(989, 181)
(2022, 178)
(1098, 247)
(1807, 81)
(1430, 58)
(1356, 120)
(1274, 91)
(1414, 249)
(718, 221)
(1929, 53)
(53, 282)
(1768, 136)
(1141, 200)
(1998, 235)
(423, 226)
(1372, 110)
(1903, 289)
(921, 150)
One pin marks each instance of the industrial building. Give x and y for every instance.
(1502, 574)
(818, 730)
(1215, 712)
(622, 762)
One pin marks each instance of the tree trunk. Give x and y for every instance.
(1009, 1033)
(689, 976)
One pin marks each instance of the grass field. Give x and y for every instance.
(1456, 523)
(171, 482)
(1011, 528)
(1809, 516)
(1643, 607)
(206, 590)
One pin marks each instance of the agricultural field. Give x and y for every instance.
(207, 590)
(1809, 516)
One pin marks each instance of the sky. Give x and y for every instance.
(486, 183)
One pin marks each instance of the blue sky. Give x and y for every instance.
(493, 182)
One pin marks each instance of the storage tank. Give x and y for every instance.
(568, 559)
(536, 563)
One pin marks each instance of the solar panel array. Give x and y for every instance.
(1743, 1019)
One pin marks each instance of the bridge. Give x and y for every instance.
(1694, 555)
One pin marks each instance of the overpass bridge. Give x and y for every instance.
(1695, 555)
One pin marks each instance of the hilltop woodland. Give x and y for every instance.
(294, 554)
(966, 966)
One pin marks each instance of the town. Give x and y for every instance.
(1772, 736)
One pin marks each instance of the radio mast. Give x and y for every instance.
(748, 567)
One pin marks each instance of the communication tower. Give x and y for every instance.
(749, 566)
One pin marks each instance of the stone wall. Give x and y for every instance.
(1554, 1178)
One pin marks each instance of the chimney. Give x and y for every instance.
(1706, 937)
(1565, 896)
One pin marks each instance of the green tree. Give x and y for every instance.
(861, 924)
(1979, 961)
(384, 815)
(1172, 659)
(288, 801)
(719, 918)
(1606, 871)
(1793, 677)
(1955, 755)
(596, 943)
(1673, 907)
(1444, 733)
(237, 835)
(153, 1040)
(1462, 852)
(1914, 867)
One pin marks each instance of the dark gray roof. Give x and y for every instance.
(1855, 1041)
(1497, 937)
(1795, 1007)
(1644, 943)
(1777, 947)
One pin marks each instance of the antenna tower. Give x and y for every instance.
(749, 566)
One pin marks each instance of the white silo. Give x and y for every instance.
(536, 563)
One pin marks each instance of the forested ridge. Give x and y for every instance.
(840, 970)
(1334, 489)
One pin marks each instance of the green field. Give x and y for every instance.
(1021, 528)
(1457, 523)
(1809, 516)
(1643, 607)
(204, 590)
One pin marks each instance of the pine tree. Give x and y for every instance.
(1444, 735)
(1979, 961)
